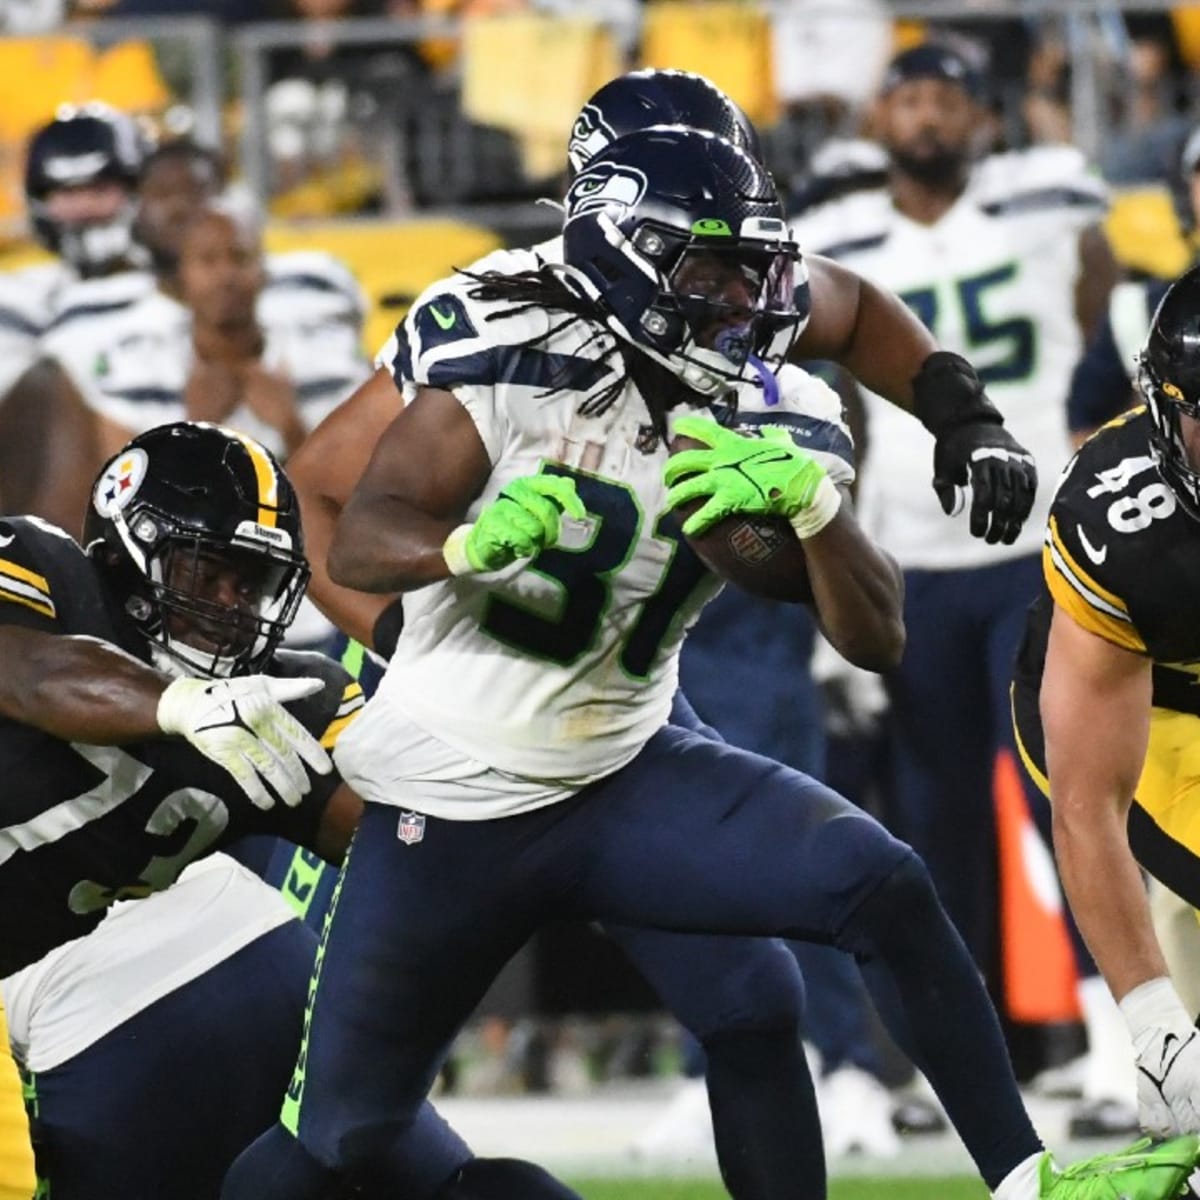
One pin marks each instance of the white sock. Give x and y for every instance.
(1022, 1182)
(1110, 1072)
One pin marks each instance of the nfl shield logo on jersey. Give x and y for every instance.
(412, 828)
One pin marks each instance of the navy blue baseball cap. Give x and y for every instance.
(931, 61)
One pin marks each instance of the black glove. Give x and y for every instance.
(973, 447)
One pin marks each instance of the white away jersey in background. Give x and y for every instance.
(127, 345)
(27, 302)
(512, 690)
(994, 280)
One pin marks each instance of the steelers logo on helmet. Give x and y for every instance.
(118, 485)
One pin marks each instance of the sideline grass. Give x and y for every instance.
(854, 1188)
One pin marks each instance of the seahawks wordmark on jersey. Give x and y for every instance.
(83, 826)
(536, 679)
(994, 280)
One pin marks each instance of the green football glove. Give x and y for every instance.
(522, 520)
(766, 476)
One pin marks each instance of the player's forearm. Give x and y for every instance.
(859, 594)
(384, 545)
(353, 612)
(78, 689)
(1105, 891)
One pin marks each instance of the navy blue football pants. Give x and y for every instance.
(950, 715)
(742, 998)
(691, 836)
(745, 668)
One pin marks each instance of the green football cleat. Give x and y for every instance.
(1144, 1171)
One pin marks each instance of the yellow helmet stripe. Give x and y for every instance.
(267, 478)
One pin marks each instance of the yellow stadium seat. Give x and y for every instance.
(1185, 18)
(727, 41)
(36, 76)
(1144, 232)
(394, 261)
(127, 77)
(561, 62)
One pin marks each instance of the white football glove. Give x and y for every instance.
(241, 725)
(1167, 1046)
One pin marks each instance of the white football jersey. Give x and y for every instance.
(142, 951)
(27, 302)
(994, 280)
(127, 347)
(510, 261)
(512, 690)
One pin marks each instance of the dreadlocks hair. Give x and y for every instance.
(547, 288)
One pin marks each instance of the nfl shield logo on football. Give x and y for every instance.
(412, 828)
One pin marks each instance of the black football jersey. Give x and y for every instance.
(81, 825)
(1123, 559)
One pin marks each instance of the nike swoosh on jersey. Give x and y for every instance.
(7, 539)
(1096, 555)
(444, 320)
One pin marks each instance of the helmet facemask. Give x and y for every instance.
(191, 631)
(91, 247)
(707, 305)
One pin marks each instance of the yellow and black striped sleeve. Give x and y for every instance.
(26, 593)
(1098, 608)
(351, 705)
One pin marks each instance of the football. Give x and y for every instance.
(760, 555)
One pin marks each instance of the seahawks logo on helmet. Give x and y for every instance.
(590, 134)
(605, 185)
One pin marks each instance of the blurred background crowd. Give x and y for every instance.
(367, 147)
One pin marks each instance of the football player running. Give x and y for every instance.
(851, 322)
(519, 735)
(1104, 696)
(741, 998)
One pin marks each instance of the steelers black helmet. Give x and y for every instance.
(1169, 379)
(179, 505)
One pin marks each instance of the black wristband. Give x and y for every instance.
(386, 631)
(947, 392)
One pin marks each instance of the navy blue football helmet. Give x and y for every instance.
(1169, 379)
(655, 223)
(83, 146)
(657, 97)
